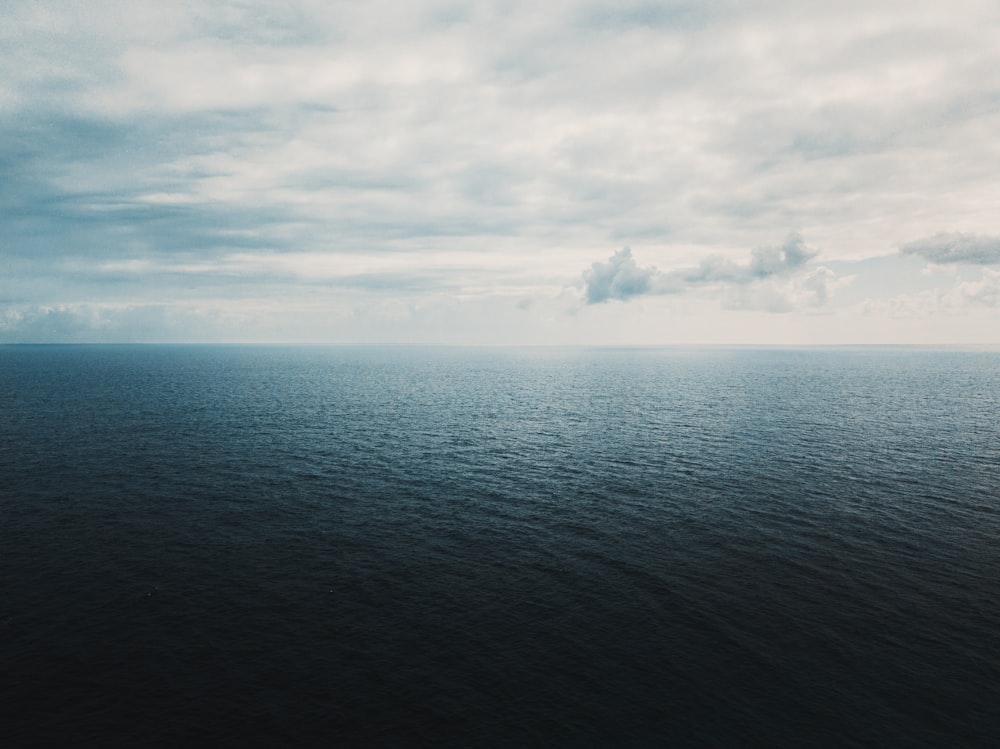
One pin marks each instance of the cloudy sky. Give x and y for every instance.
(575, 171)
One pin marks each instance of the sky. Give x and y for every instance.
(567, 172)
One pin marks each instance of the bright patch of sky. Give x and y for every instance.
(500, 172)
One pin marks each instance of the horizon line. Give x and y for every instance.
(431, 344)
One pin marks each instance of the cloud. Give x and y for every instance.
(954, 247)
(985, 291)
(765, 262)
(619, 278)
(960, 298)
(90, 323)
(780, 261)
(775, 279)
(819, 285)
(809, 292)
(355, 145)
(920, 305)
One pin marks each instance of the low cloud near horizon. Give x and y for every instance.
(255, 170)
(621, 278)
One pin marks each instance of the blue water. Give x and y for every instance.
(290, 546)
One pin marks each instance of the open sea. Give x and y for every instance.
(433, 546)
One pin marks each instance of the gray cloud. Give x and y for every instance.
(619, 278)
(622, 278)
(780, 261)
(974, 249)
(765, 262)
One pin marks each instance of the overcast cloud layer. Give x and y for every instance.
(566, 172)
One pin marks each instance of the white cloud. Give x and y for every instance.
(809, 292)
(956, 301)
(985, 291)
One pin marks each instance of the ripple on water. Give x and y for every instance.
(272, 545)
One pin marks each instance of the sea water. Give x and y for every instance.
(288, 546)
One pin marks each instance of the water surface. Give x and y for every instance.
(293, 545)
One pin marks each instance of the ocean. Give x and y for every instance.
(436, 546)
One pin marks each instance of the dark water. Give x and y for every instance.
(406, 546)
